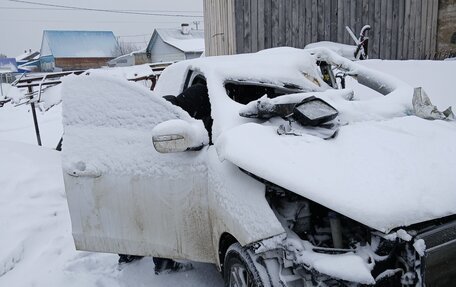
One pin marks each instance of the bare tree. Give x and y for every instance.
(124, 48)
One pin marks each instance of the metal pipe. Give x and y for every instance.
(35, 120)
(336, 229)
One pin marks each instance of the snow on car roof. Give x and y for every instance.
(276, 66)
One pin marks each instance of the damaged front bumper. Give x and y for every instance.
(428, 258)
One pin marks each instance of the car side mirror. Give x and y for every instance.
(179, 135)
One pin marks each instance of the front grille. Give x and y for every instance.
(439, 235)
(439, 261)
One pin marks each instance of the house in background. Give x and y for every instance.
(168, 45)
(29, 61)
(8, 67)
(77, 50)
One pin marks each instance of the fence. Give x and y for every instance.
(401, 29)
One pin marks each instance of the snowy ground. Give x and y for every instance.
(36, 247)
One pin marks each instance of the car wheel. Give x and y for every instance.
(239, 268)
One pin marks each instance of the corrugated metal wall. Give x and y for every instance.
(401, 29)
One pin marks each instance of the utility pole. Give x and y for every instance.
(196, 24)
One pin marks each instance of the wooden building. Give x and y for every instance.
(77, 50)
(401, 29)
(169, 44)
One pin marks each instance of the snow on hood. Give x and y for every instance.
(384, 174)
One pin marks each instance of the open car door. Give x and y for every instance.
(124, 197)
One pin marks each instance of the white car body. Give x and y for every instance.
(125, 197)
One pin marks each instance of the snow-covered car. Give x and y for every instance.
(366, 196)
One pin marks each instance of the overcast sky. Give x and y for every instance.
(22, 24)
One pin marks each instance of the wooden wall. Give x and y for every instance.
(69, 64)
(401, 29)
(219, 27)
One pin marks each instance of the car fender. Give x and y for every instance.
(237, 205)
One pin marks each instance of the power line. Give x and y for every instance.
(105, 10)
(86, 21)
(70, 9)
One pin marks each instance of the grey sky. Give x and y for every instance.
(22, 29)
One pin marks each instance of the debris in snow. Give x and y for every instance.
(348, 266)
(423, 107)
(420, 246)
(346, 51)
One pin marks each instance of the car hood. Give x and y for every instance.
(384, 174)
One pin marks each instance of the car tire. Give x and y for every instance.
(240, 270)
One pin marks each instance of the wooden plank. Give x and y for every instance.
(411, 47)
(383, 19)
(377, 30)
(358, 16)
(239, 18)
(400, 32)
(308, 29)
(302, 24)
(295, 25)
(327, 19)
(347, 8)
(275, 29)
(405, 39)
(395, 31)
(428, 29)
(435, 10)
(418, 19)
(267, 24)
(231, 28)
(424, 23)
(247, 28)
(334, 20)
(371, 22)
(353, 5)
(389, 28)
(340, 21)
(282, 24)
(253, 25)
(314, 21)
(364, 13)
(320, 20)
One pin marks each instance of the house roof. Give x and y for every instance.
(8, 65)
(191, 42)
(79, 44)
(28, 56)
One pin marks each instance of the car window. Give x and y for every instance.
(244, 92)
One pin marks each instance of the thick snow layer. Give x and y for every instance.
(192, 42)
(119, 138)
(37, 245)
(384, 174)
(347, 51)
(125, 72)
